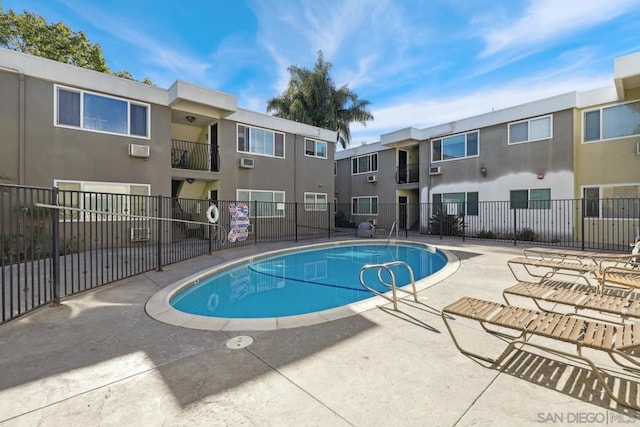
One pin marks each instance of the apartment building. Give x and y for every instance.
(532, 164)
(83, 130)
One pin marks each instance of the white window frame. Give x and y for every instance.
(528, 121)
(92, 216)
(600, 110)
(315, 148)
(82, 92)
(466, 142)
(353, 199)
(250, 202)
(315, 205)
(370, 162)
(284, 145)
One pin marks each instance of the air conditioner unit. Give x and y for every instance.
(246, 163)
(372, 178)
(140, 234)
(638, 148)
(136, 150)
(435, 170)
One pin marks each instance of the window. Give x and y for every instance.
(269, 204)
(112, 197)
(260, 141)
(455, 147)
(616, 121)
(531, 199)
(364, 205)
(364, 164)
(540, 198)
(592, 202)
(99, 113)
(621, 202)
(519, 199)
(315, 201)
(454, 203)
(531, 130)
(315, 148)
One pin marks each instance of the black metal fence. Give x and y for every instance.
(56, 243)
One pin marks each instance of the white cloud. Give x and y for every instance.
(422, 113)
(546, 20)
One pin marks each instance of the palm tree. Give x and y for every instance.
(313, 98)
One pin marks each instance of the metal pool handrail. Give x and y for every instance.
(391, 232)
(387, 267)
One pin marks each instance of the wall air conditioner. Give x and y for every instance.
(372, 178)
(638, 148)
(435, 170)
(246, 163)
(136, 150)
(140, 234)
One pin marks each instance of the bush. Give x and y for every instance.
(343, 221)
(484, 234)
(527, 235)
(445, 225)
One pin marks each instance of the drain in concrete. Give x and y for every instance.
(241, 341)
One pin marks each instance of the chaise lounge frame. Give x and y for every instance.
(597, 335)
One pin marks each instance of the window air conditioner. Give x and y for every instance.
(372, 178)
(140, 234)
(435, 170)
(246, 163)
(136, 150)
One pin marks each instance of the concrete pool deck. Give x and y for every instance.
(99, 359)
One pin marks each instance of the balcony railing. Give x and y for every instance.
(194, 156)
(407, 174)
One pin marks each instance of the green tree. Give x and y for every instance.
(313, 98)
(29, 33)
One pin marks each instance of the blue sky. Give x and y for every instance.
(420, 62)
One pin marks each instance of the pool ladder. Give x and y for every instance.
(394, 290)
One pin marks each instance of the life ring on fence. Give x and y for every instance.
(213, 214)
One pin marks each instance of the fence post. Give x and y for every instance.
(584, 205)
(210, 230)
(464, 210)
(295, 221)
(515, 225)
(55, 249)
(255, 222)
(328, 220)
(159, 235)
(441, 220)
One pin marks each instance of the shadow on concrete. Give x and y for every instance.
(575, 381)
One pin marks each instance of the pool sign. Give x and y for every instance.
(239, 222)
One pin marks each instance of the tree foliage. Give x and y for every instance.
(313, 98)
(29, 33)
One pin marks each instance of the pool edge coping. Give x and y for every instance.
(159, 308)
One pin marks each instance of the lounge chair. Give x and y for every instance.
(588, 265)
(581, 256)
(614, 340)
(623, 304)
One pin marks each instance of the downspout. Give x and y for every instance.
(295, 168)
(22, 162)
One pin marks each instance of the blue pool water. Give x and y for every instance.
(302, 282)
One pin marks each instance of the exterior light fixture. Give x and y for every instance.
(483, 170)
(191, 180)
(190, 119)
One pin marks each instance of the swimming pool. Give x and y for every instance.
(295, 286)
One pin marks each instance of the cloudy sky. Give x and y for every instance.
(420, 62)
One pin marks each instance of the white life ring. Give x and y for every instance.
(213, 214)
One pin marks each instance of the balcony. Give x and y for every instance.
(196, 156)
(408, 174)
